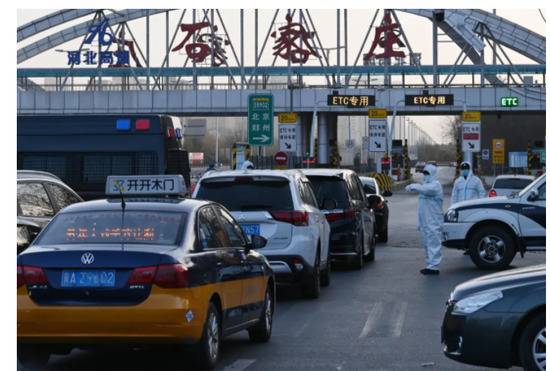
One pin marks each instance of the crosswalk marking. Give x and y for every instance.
(374, 316)
(385, 320)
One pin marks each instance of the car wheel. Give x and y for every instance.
(325, 274)
(371, 255)
(357, 262)
(208, 349)
(532, 344)
(383, 237)
(261, 332)
(312, 289)
(32, 356)
(492, 247)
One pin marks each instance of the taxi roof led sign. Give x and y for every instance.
(145, 185)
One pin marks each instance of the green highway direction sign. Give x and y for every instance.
(509, 101)
(260, 119)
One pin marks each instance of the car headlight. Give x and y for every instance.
(451, 216)
(475, 302)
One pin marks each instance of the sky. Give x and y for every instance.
(418, 31)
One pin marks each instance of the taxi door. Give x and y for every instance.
(227, 263)
(253, 279)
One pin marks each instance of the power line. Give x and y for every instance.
(542, 15)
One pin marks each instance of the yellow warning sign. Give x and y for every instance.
(498, 151)
(471, 116)
(378, 113)
(287, 117)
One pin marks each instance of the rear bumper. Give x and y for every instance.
(286, 270)
(160, 318)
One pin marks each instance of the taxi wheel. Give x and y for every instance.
(492, 247)
(312, 289)
(208, 349)
(32, 356)
(261, 332)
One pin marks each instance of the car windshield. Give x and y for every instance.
(512, 183)
(98, 227)
(330, 187)
(248, 193)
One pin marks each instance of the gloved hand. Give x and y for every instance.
(408, 188)
(411, 187)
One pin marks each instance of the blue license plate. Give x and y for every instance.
(88, 278)
(251, 229)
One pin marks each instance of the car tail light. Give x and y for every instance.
(298, 218)
(298, 263)
(340, 215)
(492, 193)
(30, 276)
(379, 205)
(171, 276)
(142, 276)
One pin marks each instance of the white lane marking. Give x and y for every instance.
(373, 318)
(398, 324)
(339, 367)
(239, 365)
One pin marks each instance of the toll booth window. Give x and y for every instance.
(56, 164)
(33, 200)
(247, 194)
(327, 188)
(133, 227)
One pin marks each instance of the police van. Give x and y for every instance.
(141, 267)
(493, 230)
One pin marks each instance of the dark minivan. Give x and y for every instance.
(339, 193)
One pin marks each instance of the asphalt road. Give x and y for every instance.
(385, 317)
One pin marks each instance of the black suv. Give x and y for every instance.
(349, 212)
(40, 195)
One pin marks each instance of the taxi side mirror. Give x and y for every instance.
(257, 242)
(25, 235)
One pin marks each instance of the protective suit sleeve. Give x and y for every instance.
(426, 189)
(480, 189)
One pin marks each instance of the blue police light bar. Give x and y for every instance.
(145, 185)
(123, 124)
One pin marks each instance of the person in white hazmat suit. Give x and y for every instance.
(467, 186)
(430, 217)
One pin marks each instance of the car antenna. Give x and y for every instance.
(122, 202)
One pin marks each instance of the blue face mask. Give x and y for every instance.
(464, 172)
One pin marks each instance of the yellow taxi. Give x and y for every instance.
(143, 266)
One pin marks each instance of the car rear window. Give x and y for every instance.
(326, 187)
(247, 193)
(98, 227)
(512, 183)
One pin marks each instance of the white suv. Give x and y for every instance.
(280, 206)
(494, 229)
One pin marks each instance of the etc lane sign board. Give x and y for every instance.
(260, 119)
(377, 130)
(471, 131)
